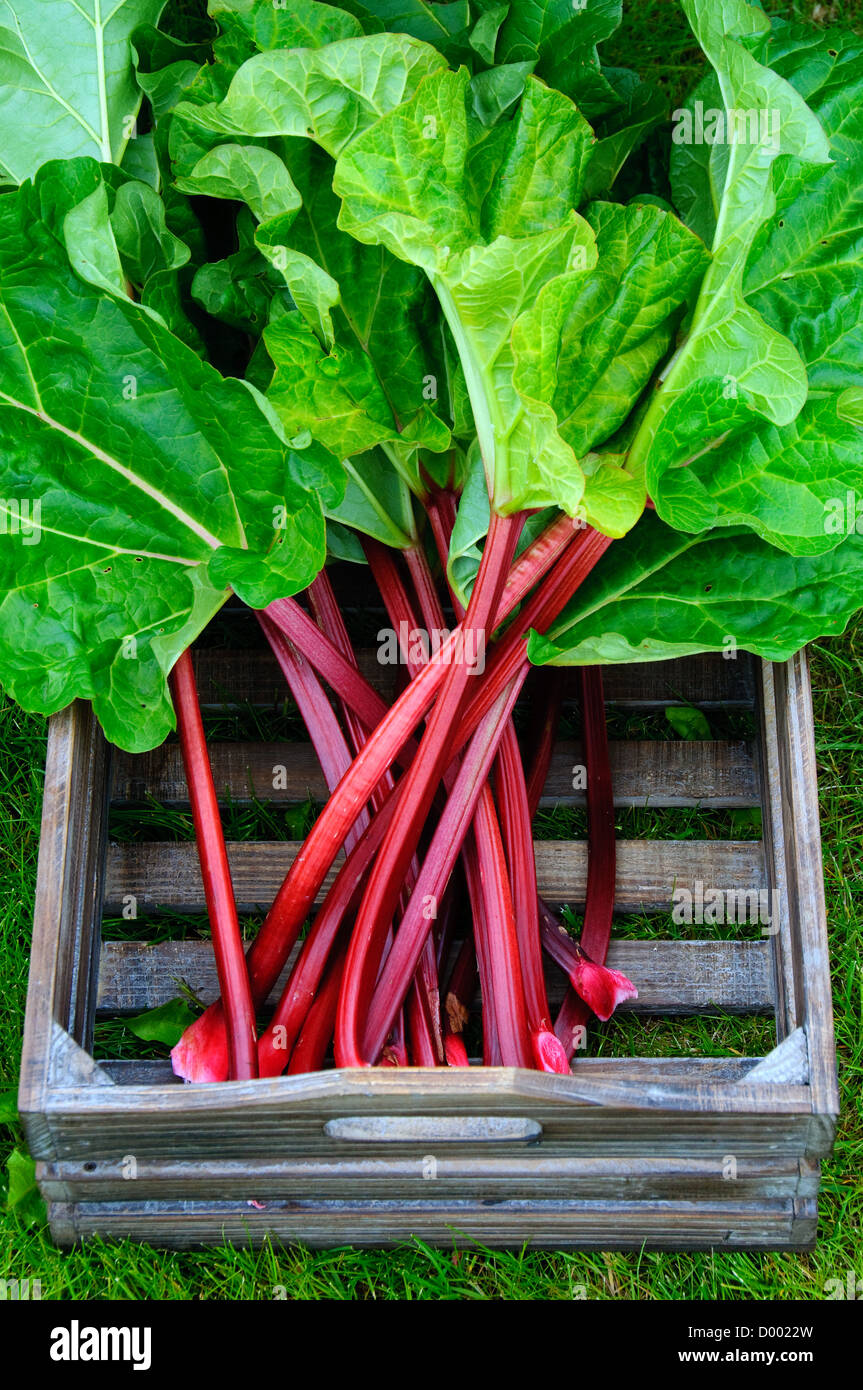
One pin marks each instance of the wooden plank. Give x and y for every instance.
(804, 997)
(653, 772)
(231, 675)
(290, 1111)
(152, 1072)
(678, 1225)
(69, 887)
(705, 1120)
(672, 977)
(489, 1177)
(167, 876)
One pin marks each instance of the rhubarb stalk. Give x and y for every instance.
(599, 898)
(239, 1013)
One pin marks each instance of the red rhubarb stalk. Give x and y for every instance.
(548, 692)
(425, 1036)
(317, 1034)
(337, 670)
(518, 839)
(271, 947)
(601, 865)
(478, 899)
(327, 738)
(416, 794)
(598, 986)
(239, 1013)
(343, 898)
(497, 940)
(416, 923)
(328, 616)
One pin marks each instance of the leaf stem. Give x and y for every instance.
(216, 874)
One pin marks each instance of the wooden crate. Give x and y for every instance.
(681, 1152)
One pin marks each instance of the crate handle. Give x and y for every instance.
(433, 1129)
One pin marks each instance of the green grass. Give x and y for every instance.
(123, 1270)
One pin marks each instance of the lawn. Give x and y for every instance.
(127, 1271)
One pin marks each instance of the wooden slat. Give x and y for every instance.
(286, 1114)
(69, 887)
(794, 862)
(166, 876)
(529, 1175)
(679, 1225)
(229, 675)
(652, 772)
(672, 977)
(158, 1072)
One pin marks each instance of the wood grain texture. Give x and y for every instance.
(672, 977)
(677, 1225)
(654, 773)
(671, 1069)
(166, 876)
(804, 999)
(229, 676)
(522, 1177)
(64, 955)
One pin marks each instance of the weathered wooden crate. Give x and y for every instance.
(678, 1152)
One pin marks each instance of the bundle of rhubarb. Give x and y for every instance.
(432, 289)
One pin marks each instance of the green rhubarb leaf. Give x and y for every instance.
(487, 214)
(259, 178)
(688, 722)
(112, 227)
(336, 396)
(805, 273)
(165, 1024)
(300, 24)
(613, 498)
(728, 340)
(165, 67)
(663, 594)
(329, 94)
(312, 289)
(484, 34)
(643, 109)
(446, 26)
(698, 165)
(591, 350)
(495, 92)
(377, 501)
(804, 277)
(344, 544)
(145, 243)
(238, 290)
(23, 1198)
(137, 483)
(561, 37)
(781, 482)
(368, 373)
(141, 160)
(54, 108)
(471, 528)
(246, 173)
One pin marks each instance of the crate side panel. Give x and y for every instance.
(69, 889)
(675, 1225)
